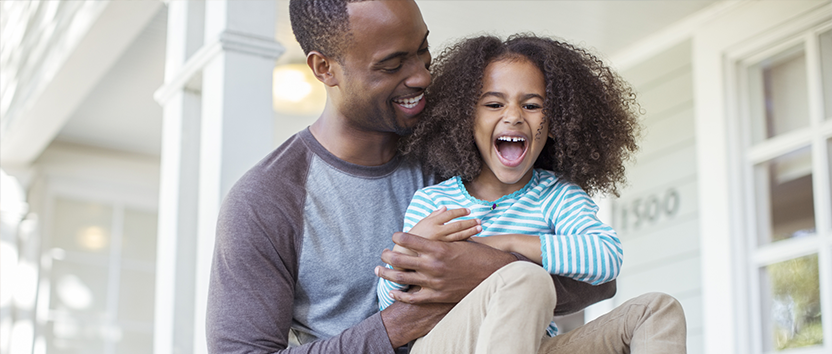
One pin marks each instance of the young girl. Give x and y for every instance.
(525, 129)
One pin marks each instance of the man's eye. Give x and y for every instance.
(392, 70)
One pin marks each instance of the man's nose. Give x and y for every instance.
(419, 77)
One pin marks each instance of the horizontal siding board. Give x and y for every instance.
(671, 133)
(656, 69)
(687, 209)
(676, 241)
(644, 176)
(661, 251)
(680, 276)
(693, 311)
(665, 97)
(695, 342)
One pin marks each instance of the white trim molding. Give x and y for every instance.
(717, 47)
(225, 41)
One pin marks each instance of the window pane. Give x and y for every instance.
(779, 95)
(829, 154)
(139, 242)
(79, 289)
(826, 68)
(82, 226)
(791, 311)
(136, 295)
(785, 203)
(70, 336)
(135, 343)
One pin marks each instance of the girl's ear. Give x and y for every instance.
(323, 67)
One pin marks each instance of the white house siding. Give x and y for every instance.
(657, 214)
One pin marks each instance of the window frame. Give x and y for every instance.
(815, 136)
(119, 197)
(726, 166)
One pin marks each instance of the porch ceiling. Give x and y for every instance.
(119, 113)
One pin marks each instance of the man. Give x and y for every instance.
(299, 236)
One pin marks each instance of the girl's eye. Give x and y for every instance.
(493, 105)
(532, 106)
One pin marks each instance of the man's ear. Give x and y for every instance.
(323, 68)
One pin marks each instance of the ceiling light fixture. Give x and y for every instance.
(296, 91)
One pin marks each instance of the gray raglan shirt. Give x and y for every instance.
(297, 240)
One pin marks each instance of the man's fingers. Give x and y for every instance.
(411, 241)
(400, 276)
(400, 260)
(414, 297)
(419, 296)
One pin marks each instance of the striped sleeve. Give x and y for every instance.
(582, 247)
(420, 207)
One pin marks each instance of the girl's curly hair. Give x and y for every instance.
(592, 112)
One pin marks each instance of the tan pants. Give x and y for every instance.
(509, 313)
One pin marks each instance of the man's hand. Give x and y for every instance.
(445, 271)
(406, 322)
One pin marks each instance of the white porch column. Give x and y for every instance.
(237, 118)
(178, 195)
(218, 122)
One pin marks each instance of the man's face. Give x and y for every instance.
(385, 66)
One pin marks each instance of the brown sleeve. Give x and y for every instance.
(254, 271)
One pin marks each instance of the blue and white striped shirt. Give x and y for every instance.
(574, 243)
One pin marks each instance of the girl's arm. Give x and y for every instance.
(527, 245)
(581, 246)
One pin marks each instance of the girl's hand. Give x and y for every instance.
(438, 226)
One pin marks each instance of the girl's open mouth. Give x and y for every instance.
(511, 149)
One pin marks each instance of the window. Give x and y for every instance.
(99, 265)
(786, 104)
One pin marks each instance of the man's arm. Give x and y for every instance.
(447, 271)
(252, 286)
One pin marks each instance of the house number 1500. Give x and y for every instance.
(649, 209)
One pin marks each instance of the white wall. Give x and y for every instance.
(657, 214)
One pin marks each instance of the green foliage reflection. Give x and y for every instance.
(796, 303)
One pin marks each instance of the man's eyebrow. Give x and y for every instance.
(425, 40)
(402, 54)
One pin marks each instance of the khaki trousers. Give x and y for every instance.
(509, 313)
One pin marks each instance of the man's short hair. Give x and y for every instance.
(321, 25)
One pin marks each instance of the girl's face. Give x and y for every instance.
(510, 129)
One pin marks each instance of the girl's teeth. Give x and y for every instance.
(512, 139)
